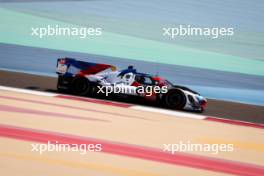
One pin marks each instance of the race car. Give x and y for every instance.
(95, 79)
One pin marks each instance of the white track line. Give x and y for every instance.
(33, 92)
(169, 112)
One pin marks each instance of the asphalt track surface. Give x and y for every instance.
(132, 140)
(211, 83)
(217, 108)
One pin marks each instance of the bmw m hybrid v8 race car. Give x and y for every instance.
(86, 78)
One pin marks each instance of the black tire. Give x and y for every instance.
(174, 99)
(59, 89)
(80, 86)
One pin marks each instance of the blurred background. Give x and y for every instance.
(228, 68)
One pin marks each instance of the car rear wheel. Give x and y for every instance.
(59, 89)
(175, 99)
(81, 86)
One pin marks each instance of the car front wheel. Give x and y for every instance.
(174, 99)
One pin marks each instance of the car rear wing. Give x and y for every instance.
(75, 67)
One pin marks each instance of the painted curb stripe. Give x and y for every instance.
(169, 112)
(235, 122)
(147, 153)
(116, 114)
(70, 97)
(91, 100)
(125, 105)
(37, 113)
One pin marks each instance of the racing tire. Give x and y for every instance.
(174, 99)
(59, 85)
(81, 86)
